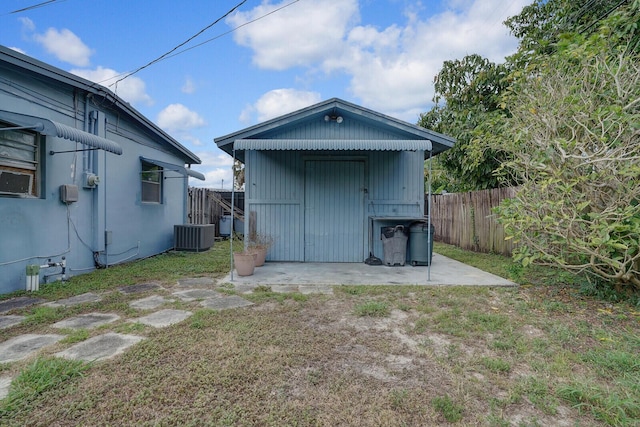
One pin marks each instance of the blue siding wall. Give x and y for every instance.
(275, 191)
(33, 230)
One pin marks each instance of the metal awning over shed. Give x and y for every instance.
(333, 144)
(51, 128)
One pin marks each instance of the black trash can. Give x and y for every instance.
(394, 245)
(421, 243)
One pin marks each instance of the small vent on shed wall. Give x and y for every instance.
(193, 237)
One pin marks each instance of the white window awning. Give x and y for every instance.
(52, 128)
(175, 168)
(334, 144)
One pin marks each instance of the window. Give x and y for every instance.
(19, 162)
(151, 183)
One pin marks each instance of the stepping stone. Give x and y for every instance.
(76, 300)
(141, 287)
(86, 321)
(5, 383)
(197, 281)
(19, 347)
(224, 303)
(149, 303)
(101, 347)
(316, 289)
(10, 320)
(164, 318)
(19, 302)
(196, 294)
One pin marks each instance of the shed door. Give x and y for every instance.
(334, 211)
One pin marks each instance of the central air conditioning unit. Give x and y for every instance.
(191, 237)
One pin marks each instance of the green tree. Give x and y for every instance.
(469, 100)
(467, 93)
(539, 26)
(573, 137)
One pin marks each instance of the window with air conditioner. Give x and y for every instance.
(151, 183)
(19, 162)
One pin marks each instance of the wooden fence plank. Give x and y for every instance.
(466, 220)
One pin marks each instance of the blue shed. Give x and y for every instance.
(324, 180)
(86, 181)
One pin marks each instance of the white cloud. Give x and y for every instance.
(27, 24)
(301, 34)
(278, 102)
(192, 140)
(390, 69)
(132, 89)
(189, 86)
(178, 118)
(216, 167)
(66, 46)
(17, 49)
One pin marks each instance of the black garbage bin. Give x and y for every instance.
(420, 243)
(394, 245)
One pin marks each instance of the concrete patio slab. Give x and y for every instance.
(5, 384)
(10, 320)
(149, 303)
(86, 321)
(196, 294)
(444, 271)
(139, 288)
(163, 318)
(19, 302)
(22, 346)
(100, 348)
(196, 281)
(223, 303)
(75, 300)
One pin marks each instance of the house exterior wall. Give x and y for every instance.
(110, 219)
(275, 191)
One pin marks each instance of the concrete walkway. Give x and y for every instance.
(444, 271)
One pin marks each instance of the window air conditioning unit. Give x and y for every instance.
(15, 182)
(190, 237)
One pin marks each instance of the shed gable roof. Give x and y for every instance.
(303, 129)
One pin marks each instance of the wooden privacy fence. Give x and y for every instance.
(207, 206)
(466, 220)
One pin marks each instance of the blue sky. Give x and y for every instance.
(380, 54)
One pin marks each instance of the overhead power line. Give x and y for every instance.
(169, 55)
(161, 57)
(233, 29)
(35, 6)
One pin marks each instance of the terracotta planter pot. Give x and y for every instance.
(260, 253)
(244, 263)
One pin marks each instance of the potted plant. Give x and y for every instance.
(244, 262)
(259, 244)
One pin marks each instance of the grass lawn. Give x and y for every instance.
(543, 354)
